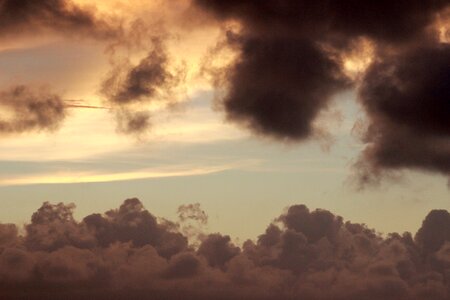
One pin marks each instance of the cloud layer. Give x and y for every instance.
(126, 253)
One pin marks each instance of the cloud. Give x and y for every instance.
(26, 109)
(131, 223)
(127, 253)
(291, 61)
(132, 122)
(129, 88)
(430, 237)
(142, 82)
(218, 250)
(346, 19)
(192, 222)
(279, 85)
(406, 99)
(192, 212)
(61, 16)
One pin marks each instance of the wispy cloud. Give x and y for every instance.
(92, 176)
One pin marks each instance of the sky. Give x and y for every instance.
(234, 113)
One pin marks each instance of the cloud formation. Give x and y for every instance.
(278, 86)
(142, 82)
(129, 88)
(62, 16)
(291, 62)
(292, 59)
(25, 109)
(126, 253)
(406, 97)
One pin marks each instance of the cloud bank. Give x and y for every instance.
(126, 253)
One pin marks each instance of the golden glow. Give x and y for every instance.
(64, 177)
(443, 26)
(359, 58)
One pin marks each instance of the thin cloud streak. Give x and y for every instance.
(93, 177)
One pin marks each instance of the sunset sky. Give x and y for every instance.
(244, 107)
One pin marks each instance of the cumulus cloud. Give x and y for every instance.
(132, 223)
(126, 253)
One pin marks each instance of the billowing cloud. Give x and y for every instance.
(278, 86)
(291, 61)
(132, 223)
(126, 253)
(406, 97)
(25, 109)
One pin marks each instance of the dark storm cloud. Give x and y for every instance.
(407, 101)
(126, 253)
(279, 85)
(26, 16)
(380, 20)
(25, 109)
(289, 65)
